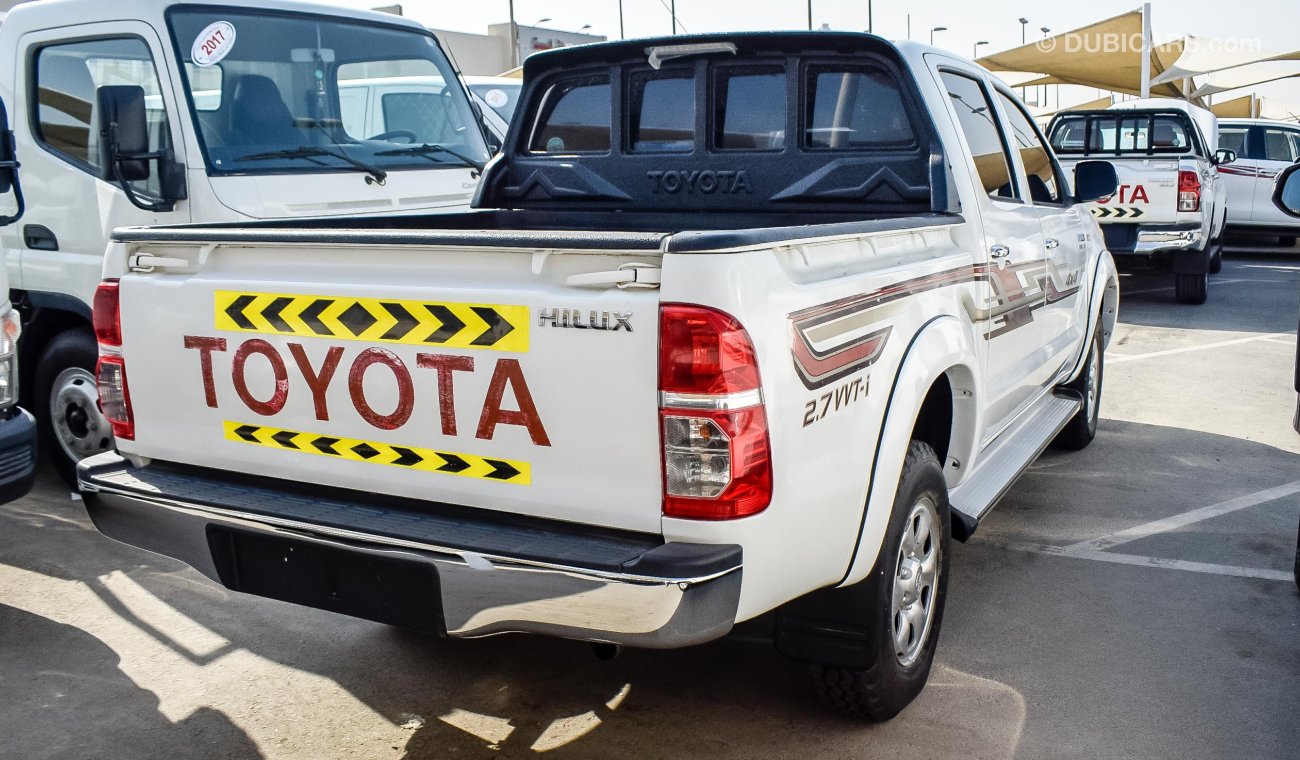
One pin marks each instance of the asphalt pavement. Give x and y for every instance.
(1130, 600)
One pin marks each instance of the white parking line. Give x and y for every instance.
(1186, 518)
(1171, 564)
(1121, 358)
(1124, 292)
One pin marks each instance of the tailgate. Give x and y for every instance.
(476, 377)
(1148, 191)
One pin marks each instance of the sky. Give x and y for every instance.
(1274, 23)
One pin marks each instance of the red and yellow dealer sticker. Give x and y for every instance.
(493, 327)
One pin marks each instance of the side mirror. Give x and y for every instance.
(1224, 156)
(1094, 180)
(9, 168)
(124, 147)
(1286, 191)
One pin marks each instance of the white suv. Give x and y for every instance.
(1264, 148)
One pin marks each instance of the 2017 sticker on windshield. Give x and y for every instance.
(213, 43)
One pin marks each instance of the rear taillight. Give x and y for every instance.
(716, 454)
(110, 374)
(114, 398)
(107, 315)
(1189, 191)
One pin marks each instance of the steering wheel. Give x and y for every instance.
(389, 136)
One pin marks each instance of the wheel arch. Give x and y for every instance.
(45, 316)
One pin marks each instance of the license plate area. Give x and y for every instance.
(389, 590)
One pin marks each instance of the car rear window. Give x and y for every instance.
(575, 117)
(1119, 134)
(853, 106)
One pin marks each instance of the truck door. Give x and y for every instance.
(1063, 313)
(1014, 366)
(73, 209)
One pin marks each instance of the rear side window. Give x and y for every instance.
(661, 111)
(749, 108)
(575, 118)
(979, 124)
(854, 106)
(1279, 145)
(1040, 170)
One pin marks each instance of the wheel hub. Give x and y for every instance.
(79, 427)
(916, 579)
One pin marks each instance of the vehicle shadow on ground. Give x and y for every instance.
(64, 696)
(1254, 293)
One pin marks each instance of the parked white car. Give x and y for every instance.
(1264, 148)
(674, 374)
(226, 112)
(1171, 207)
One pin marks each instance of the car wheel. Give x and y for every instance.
(1216, 258)
(906, 596)
(1082, 427)
(67, 403)
(1191, 288)
(1287, 241)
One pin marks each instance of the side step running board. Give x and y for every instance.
(1006, 458)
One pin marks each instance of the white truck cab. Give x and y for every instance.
(146, 112)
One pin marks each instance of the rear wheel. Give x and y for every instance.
(1287, 241)
(1191, 288)
(1216, 258)
(906, 591)
(67, 403)
(1082, 428)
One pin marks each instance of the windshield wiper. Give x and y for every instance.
(374, 175)
(427, 148)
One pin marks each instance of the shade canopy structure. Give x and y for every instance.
(1090, 105)
(1202, 56)
(1256, 107)
(1245, 76)
(1107, 54)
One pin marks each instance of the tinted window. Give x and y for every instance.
(661, 111)
(749, 108)
(1039, 168)
(501, 98)
(854, 107)
(1122, 134)
(423, 114)
(1233, 139)
(1069, 134)
(575, 118)
(1278, 146)
(67, 78)
(979, 124)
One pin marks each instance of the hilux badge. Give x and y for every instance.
(590, 320)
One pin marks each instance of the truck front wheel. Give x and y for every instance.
(67, 403)
(905, 596)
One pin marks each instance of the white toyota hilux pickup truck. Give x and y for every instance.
(1172, 205)
(742, 324)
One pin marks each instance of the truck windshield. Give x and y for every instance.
(294, 93)
(1118, 133)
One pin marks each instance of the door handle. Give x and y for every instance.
(1051, 243)
(999, 251)
(39, 238)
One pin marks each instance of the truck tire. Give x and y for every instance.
(1082, 427)
(71, 427)
(1191, 288)
(907, 589)
(1286, 241)
(1216, 257)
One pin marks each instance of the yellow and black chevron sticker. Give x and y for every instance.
(1117, 212)
(497, 327)
(357, 450)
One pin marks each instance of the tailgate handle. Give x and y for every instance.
(626, 276)
(149, 261)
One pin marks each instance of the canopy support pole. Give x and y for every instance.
(1146, 50)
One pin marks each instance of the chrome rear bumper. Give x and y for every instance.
(662, 595)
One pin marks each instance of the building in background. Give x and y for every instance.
(489, 54)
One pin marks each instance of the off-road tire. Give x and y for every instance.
(881, 690)
(1082, 427)
(1191, 289)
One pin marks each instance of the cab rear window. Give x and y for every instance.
(575, 117)
(854, 106)
(661, 111)
(1119, 134)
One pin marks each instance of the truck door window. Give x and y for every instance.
(1278, 146)
(749, 108)
(575, 117)
(661, 112)
(854, 106)
(67, 114)
(983, 134)
(1040, 169)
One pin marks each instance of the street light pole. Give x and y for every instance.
(1023, 21)
(673, 10)
(621, 36)
(810, 15)
(871, 26)
(514, 38)
(975, 49)
(936, 29)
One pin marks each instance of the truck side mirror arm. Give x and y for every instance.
(9, 169)
(125, 156)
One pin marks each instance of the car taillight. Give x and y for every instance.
(107, 315)
(114, 398)
(1189, 191)
(110, 374)
(716, 454)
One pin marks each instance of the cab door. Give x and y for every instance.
(1013, 260)
(73, 209)
(1063, 315)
